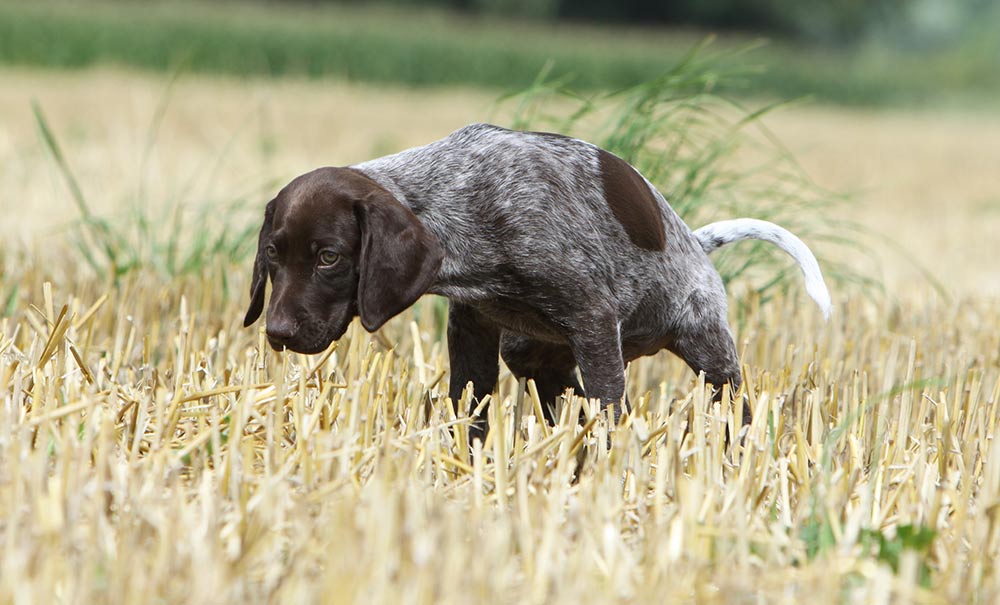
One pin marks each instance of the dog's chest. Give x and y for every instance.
(517, 317)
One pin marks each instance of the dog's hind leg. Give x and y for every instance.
(473, 346)
(552, 367)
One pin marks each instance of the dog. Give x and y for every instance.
(551, 251)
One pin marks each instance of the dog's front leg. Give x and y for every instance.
(473, 350)
(598, 352)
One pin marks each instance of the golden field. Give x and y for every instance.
(153, 450)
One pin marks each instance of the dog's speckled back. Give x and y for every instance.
(525, 216)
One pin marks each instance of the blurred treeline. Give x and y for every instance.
(874, 52)
(837, 22)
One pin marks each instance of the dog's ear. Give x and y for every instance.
(399, 259)
(259, 281)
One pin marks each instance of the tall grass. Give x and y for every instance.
(174, 239)
(684, 136)
(692, 139)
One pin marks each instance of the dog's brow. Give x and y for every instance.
(279, 237)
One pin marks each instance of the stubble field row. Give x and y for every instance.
(153, 450)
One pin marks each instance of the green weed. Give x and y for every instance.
(917, 539)
(687, 136)
(179, 240)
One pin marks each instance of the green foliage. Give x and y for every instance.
(692, 141)
(177, 241)
(10, 300)
(517, 8)
(817, 535)
(830, 21)
(403, 45)
(331, 41)
(834, 23)
(916, 538)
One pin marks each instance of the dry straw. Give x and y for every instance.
(154, 451)
(151, 450)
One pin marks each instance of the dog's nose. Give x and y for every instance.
(281, 330)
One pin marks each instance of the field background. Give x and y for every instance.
(153, 450)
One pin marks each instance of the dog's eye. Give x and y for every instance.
(271, 252)
(328, 258)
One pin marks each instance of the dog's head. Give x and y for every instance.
(337, 245)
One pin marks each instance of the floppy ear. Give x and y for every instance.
(399, 259)
(257, 286)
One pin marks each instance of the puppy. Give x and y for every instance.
(551, 251)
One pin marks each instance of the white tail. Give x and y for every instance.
(716, 235)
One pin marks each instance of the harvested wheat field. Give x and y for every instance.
(152, 450)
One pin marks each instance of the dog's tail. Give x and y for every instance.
(716, 235)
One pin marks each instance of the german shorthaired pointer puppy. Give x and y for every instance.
(551, 251)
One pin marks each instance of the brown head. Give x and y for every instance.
(337, 245)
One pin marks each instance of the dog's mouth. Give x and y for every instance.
(316, 340)
(305, 349)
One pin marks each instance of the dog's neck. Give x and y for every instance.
(417, 177)
(423, 180)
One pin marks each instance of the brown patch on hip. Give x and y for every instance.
(632, 202)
